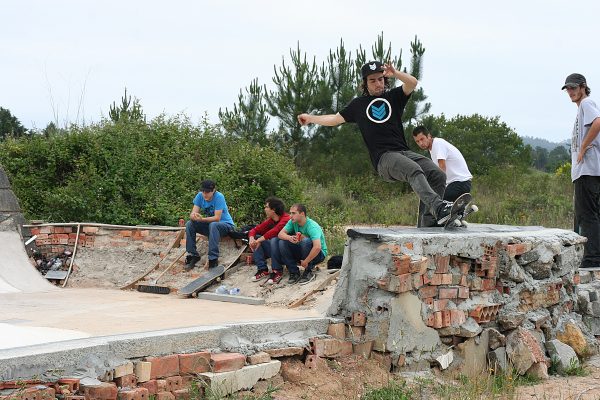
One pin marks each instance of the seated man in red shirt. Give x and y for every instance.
(266, 230)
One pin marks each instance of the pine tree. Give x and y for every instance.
(127, 111)
(10, 126)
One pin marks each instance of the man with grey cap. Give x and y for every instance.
(378, 114)
(585, 167)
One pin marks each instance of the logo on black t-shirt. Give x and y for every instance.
(379, 110)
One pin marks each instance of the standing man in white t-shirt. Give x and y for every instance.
(585, 167)
(449, 159)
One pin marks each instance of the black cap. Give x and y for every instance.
(370, 68)
(207, 185)
(574, 80)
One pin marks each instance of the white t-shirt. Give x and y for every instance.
(456, 166)
(587, 112)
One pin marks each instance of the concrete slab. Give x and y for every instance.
(229, 298)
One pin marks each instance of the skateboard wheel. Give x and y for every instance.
(464, 224)
(457, 222)
(474, 208)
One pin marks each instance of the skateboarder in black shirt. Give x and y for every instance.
(378, 114)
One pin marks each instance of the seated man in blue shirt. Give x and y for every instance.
(215, 224)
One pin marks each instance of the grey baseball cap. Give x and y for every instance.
(574, 80)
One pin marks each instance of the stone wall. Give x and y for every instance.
(431, 296)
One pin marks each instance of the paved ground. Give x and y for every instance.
(32, 311)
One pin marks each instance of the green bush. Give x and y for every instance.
(138, 173)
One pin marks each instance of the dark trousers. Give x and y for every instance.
(587, 215)
(455, 189)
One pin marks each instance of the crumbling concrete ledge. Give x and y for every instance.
(93, 357)
(426, 292)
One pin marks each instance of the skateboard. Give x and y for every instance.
(461, 208)
(209, 277)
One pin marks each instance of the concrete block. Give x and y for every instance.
(142, 370)
(228, 298)
(225, 383)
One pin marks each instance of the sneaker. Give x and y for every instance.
(275, 277)
(294, 278)
(307, 277)
(260, 275)
(191, 261)
(213, 263)
(443, 212)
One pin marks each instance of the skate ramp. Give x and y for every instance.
(16, 272)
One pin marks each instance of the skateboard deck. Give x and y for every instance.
(208, 277)
(460, 209)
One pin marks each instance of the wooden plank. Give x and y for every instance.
(322, 286)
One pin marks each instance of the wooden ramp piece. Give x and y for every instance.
(322, 286)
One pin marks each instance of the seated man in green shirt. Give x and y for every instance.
(301, 240)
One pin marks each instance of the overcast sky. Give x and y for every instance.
(69, 60)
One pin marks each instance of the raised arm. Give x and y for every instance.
(409, 82)
(325, 120)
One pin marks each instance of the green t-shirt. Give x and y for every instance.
(310, 229)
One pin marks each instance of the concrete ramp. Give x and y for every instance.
(16, 272)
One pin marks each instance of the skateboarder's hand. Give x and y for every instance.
(388, 70)
(303, 119)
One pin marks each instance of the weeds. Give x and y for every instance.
(394, 390)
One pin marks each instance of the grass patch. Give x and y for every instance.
(393, 391)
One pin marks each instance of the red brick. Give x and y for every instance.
(488, 284)
(129, 380)
(103, 391)
(72, 383)
(313, 362)
(129, 394)
(436, 280)
(174, 383)
(223, 362)
(463, 281)
(163, 367)
(194, 363)
(446, 320)
(429, 301)
(358, 319)
(404, 283)
(448, 293)
(417, 281)
(151, 386)
(442, 264)
(518, 249)
(285, 352)
(363, 349)
(355, 333)
(437, 320)
(426, 279)
(161, 385)
(165, 396)
(439, 305)
(446, 279)
(182, 394)
(428, 291)
(457, 317)
(46, 229)
(337, 331)
(126, 233)
(259, 358)
(401, 264)
(34, 231)
(73, 397)
(419, 266)
(463, 292)
(331, 348)
(464, 268)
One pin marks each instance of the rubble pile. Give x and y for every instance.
(489, 296)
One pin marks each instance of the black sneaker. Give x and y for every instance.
(213, 263)
(443, 212)
(294, 278)
(190, 261)
(307, 276)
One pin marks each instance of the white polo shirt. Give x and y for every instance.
(456, 166)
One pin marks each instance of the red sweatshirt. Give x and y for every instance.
(269, 228)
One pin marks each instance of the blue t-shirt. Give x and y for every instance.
(207, 208)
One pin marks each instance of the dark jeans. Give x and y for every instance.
(213, 230)
(423, 176)
(455, 189)
(290, 254)
(263, 253)
(587, 215)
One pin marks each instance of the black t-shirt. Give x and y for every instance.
(380, 121)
